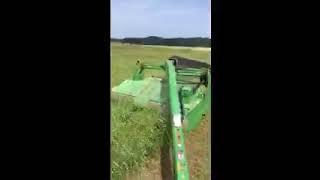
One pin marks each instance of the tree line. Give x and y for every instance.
(154, 40)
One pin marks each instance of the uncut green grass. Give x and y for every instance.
(136, 132)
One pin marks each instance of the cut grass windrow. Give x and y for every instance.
(136, 133)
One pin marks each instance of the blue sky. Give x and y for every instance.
(165, 18)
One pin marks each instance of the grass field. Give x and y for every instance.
(139, 134)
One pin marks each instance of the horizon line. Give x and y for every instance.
(160, 37)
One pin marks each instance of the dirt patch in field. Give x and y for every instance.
(197, 146)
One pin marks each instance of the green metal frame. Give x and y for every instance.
(180, 164)
(195, 115)
(139, 74)
(188, 104)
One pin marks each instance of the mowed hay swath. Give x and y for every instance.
(136, 131)
(135, 134)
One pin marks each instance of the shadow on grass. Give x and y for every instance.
(165, 154)
(165, 162)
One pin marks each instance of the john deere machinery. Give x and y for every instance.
(185, 88)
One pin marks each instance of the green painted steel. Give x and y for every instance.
(173, 91)
(138, 75)
(159, 67)
(143, 91)
(181, 171)
(191, 72)
(197, 106)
